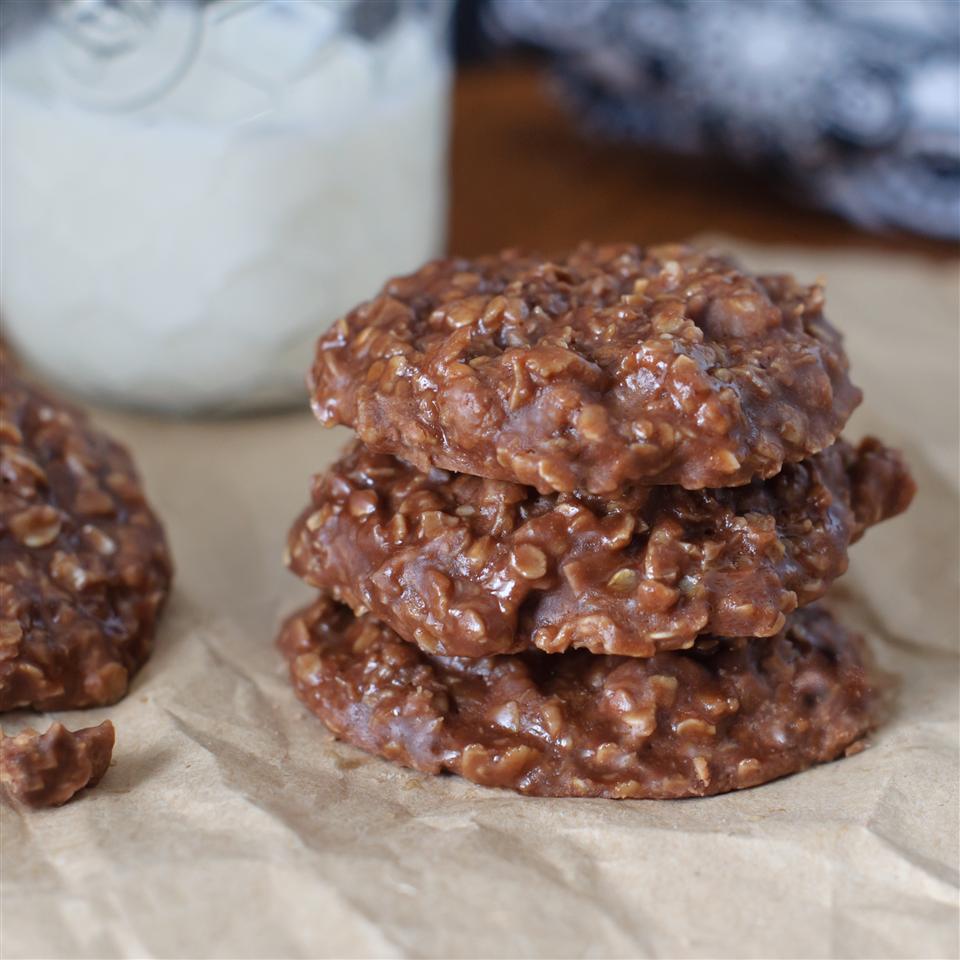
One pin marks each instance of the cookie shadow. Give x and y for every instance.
(127, 773)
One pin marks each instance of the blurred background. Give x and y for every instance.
(851, 106)
(192, 190)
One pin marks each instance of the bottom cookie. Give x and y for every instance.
(722, 716)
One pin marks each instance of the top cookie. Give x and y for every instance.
(610, 366)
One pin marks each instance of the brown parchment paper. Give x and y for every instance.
(232, 825)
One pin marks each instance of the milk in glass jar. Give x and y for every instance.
(193, 191)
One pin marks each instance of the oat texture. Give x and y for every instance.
(613, 364)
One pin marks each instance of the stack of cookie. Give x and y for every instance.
(576, 548)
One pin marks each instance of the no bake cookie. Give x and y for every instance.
(715, 718)
(84, 565)
(465, 566)
(612, 365)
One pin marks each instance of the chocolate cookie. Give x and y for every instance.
(46, 770)
(84, 567)
(715, 718)
(613, 365)
(470, 567)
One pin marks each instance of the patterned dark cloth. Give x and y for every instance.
(859, 100)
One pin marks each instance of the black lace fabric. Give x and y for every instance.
(856, 101)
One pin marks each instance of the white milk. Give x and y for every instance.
(184, 254)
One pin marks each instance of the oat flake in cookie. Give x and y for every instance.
(615, 364)
(716, 718)
(84, 566)
(469, 567)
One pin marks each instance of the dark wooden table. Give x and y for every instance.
(523, 175)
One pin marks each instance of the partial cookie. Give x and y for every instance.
(716, 718)
(84, 566)
(46, 770)
(469, 567)
(613, 365)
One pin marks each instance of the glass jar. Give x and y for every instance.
(193, 191)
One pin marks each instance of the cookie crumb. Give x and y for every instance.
(48, 769)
